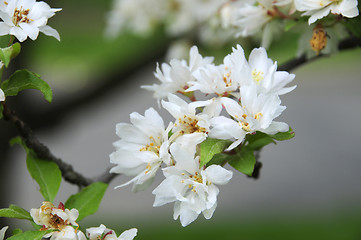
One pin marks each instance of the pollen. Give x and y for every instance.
(319, 39)
(153, 146)
(189, 125)
(244, 116)
(20, 16)
(245, 126)
(258, 115)
(257, 76)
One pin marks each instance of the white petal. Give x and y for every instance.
(2, 232)
(276, 127)
(49, 31)
(30, 30)
(128, 234)
(19, 33)
(218, 175)
(2, 95)
(186, 215)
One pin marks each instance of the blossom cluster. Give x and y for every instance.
(222, 20)
(239, 97)
(26, 18)
(63, 221)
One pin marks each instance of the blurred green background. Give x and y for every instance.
(85, 66)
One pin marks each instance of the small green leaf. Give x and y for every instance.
(281, 136)
(45, 173)
(15, 212)
(33, 235)
(24, 79)
(8, 53)
(219, 159)
(210, 147)
(87, 201)
(244, 161)
(258, 140)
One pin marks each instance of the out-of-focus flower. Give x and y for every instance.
(318, 9)
(103, 233)
(192, 189)
(2, 232)
(59, 218)
(26, 18)
(142, 148)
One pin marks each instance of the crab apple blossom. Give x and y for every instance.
(193, 189)
(59, 218)
(253, 113)
(318, 9)
(175, 77)
(26, 18)
(142, 148)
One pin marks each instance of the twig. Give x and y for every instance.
(348, 43)
(43, 152)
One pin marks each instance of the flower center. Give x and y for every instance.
(153, 146)
(189, 125)
(20, 16)
(257, 76)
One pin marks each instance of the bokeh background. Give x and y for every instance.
(310, 186)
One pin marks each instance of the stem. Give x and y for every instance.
(43, 152)
(11, 40)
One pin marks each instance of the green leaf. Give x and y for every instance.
(17, 231)
(8, 53)
(281, 136)
(258, 140)
(219, 159)
(210, 147)
(1, 111)
(244, 161)
(33, 235)
(87, 201)
(24, 79)
(45, 173)
(15, 212)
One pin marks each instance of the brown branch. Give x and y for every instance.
(43, 152)
(348, 43)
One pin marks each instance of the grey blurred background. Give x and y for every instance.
(310, 186)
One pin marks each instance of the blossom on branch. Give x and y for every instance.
(26, 18)
(58, 218)
(192, 188)
(142, 148)
(318, 9)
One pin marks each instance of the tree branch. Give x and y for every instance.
(348, 43)
(43, 152)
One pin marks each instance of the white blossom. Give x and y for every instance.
(104, 233)
(190, 127)
(192, 189)
(318, 9)
(2, 232)
(26, 18)
(51, 217)
(263, 72)
(142, 148)
(253, 113)
(175, 77)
